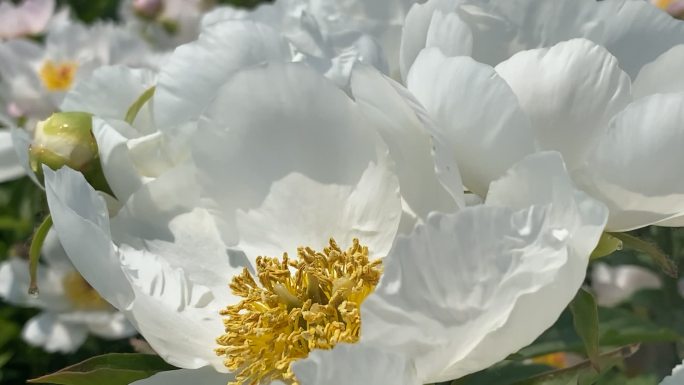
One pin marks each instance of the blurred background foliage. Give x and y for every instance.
(653, 318)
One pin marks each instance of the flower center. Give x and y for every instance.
(58, 76)
(310, 303)
(81, 295)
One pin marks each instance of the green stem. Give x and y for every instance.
(663, 260)
(34, 253)
(133, 110)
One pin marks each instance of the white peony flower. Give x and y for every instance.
(164, 23)
(30, 17)
(597, 81)
(72, 309)
(278, 157)
(35, 77)
(613, 285)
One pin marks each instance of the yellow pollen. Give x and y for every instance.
(58, 76)
(311, 303)
(81, 295)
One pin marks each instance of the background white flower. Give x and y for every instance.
(71, 309)
(613, 285)
(36, 77)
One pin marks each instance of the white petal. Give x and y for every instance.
(155, 295)
(613, 285)
(54, 254)
(353, 365)
(19, 60)
(117, 165)
(635, 167)
(415, 31)
(450, 34)
(28, 18)
(569, 91)
(465, 304)
(501, 28)
(676, 377)
(194, 72)
(631, 24)
(109, 91)
(160, 221)
(677, 221)
(10, 166)
(21, 141)
(394, 112)
(291, 124)
(540, 178)
(81, 220)
(461, 95)
(662, 75)
(115, 327)
(45, 330)
(204, 376)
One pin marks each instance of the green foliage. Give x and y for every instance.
(586, 321)
(108, 369)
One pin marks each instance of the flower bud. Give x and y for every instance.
(148, 9)
(66, 139)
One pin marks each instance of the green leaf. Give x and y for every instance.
(582, 373)
(504, 373)
(108, 369)
(586, 322)
(617, 327)
(667, 265)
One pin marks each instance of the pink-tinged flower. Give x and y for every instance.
(673, 7)
(31, 17)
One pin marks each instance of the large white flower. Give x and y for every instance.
(457, 294)
(317, 169)
(597, 81)
(277, 157)
(71, 308)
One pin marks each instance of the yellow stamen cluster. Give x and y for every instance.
(310, 303)
(81, 295)
(58, 76)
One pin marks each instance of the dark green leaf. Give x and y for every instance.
(586, 322)
(504, 373)
(583, 373)
(108, 369)
(617, 327)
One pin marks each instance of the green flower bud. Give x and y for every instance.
(66, 139)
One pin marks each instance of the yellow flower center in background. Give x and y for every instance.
(81, 295)
(662, 4)
(311, 303)
(58, 76)
(556, 360)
